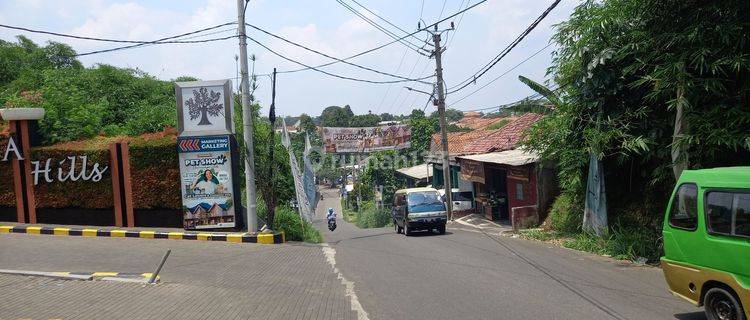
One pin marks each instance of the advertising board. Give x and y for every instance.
(366, 139)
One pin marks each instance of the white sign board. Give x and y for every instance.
(204, 107)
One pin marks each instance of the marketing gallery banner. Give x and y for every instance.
(366, 139)
(206, 145)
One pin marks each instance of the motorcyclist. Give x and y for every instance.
(331, 217)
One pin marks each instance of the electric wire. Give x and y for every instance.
(166, 40)
(323, 71)
(402, 40)
(332, 57)
(503, 74)
(384, 19)
(472, 79)
(64, 35)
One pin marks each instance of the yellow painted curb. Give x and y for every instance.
(89, 232)
(61, 231)
(117, 233)
(146, 234)
(33, 230)
(265, 238)
(5, 229)
(175, 235)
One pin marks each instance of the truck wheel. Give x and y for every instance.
(721, 304)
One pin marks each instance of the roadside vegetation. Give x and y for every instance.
(288, 220)
(368, 217)
(649, 88)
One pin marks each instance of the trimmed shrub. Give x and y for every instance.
(288, 220)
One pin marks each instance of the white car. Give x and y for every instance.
(462, 200)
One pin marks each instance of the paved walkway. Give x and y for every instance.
(201, 280)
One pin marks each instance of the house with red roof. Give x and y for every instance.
(509, 184)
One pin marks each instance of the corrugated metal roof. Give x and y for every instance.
(422, 171)
(516, 157)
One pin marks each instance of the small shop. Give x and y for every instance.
(509, 186)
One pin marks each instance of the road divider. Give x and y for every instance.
(270, 238)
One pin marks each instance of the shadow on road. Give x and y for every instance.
(691, 316)
(418, 234)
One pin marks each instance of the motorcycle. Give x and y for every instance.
(332, 224)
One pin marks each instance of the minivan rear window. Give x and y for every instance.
(684, 211)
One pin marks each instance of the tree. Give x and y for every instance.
(334, 116)
(307, 125)
(422, 129)
(387, 117)
(451, 115)
(364, 120)
(204, 103)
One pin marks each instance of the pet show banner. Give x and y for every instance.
(207, 155)
(366, 139)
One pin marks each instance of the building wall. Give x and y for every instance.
(529, 187)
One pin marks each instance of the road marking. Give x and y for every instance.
(330, 254)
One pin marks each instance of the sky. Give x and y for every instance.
(324, 25)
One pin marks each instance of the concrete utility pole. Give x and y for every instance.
(247, 123)
(443, 126)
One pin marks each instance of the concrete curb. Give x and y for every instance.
(261, 238)
(107, 276)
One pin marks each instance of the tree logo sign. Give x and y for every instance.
(203, 104)
(204, 107)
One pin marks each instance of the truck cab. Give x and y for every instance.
(707, 241)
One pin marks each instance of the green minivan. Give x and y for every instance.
(707, 241)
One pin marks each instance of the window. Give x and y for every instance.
(519, 191)
(684, 211)
(742, 215)
(728, 213)
(719, 212)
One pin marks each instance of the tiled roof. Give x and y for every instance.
(504, 138)
(483, 141)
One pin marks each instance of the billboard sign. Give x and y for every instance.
(204, 107)
(366, 139)
(206, 182)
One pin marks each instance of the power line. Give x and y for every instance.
(329, 56)
(402, 40)
(385, 44)
(166, 40)
(504, 52)
(323, 71)
(503, 74)
(384, 19)
(64, 35)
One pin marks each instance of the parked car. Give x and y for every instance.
(418, 209)
(707, 241)
(462, 200)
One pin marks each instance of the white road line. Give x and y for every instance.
(330, 254)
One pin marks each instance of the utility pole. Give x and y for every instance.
(271, 207)
(440, 102)
(251, 218)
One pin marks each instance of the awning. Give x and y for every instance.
(419, 172)
(516, 157)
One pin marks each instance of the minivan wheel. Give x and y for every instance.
(407, 232)
(720, 304)
(395, 226)
(441, 229)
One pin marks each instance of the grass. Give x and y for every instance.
(623, 243)
(368, 217)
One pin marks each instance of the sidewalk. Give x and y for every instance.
(475, 222)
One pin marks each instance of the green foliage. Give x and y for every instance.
(288, 221)
(565, 215)
(451, 115)
(334, 116)
(82, 102)
(372, 217)
(422, 129)
(364, 120)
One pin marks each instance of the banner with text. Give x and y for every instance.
(366, 139)
(206, 173)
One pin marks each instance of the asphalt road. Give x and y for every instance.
(358, 274)
(473, 275)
